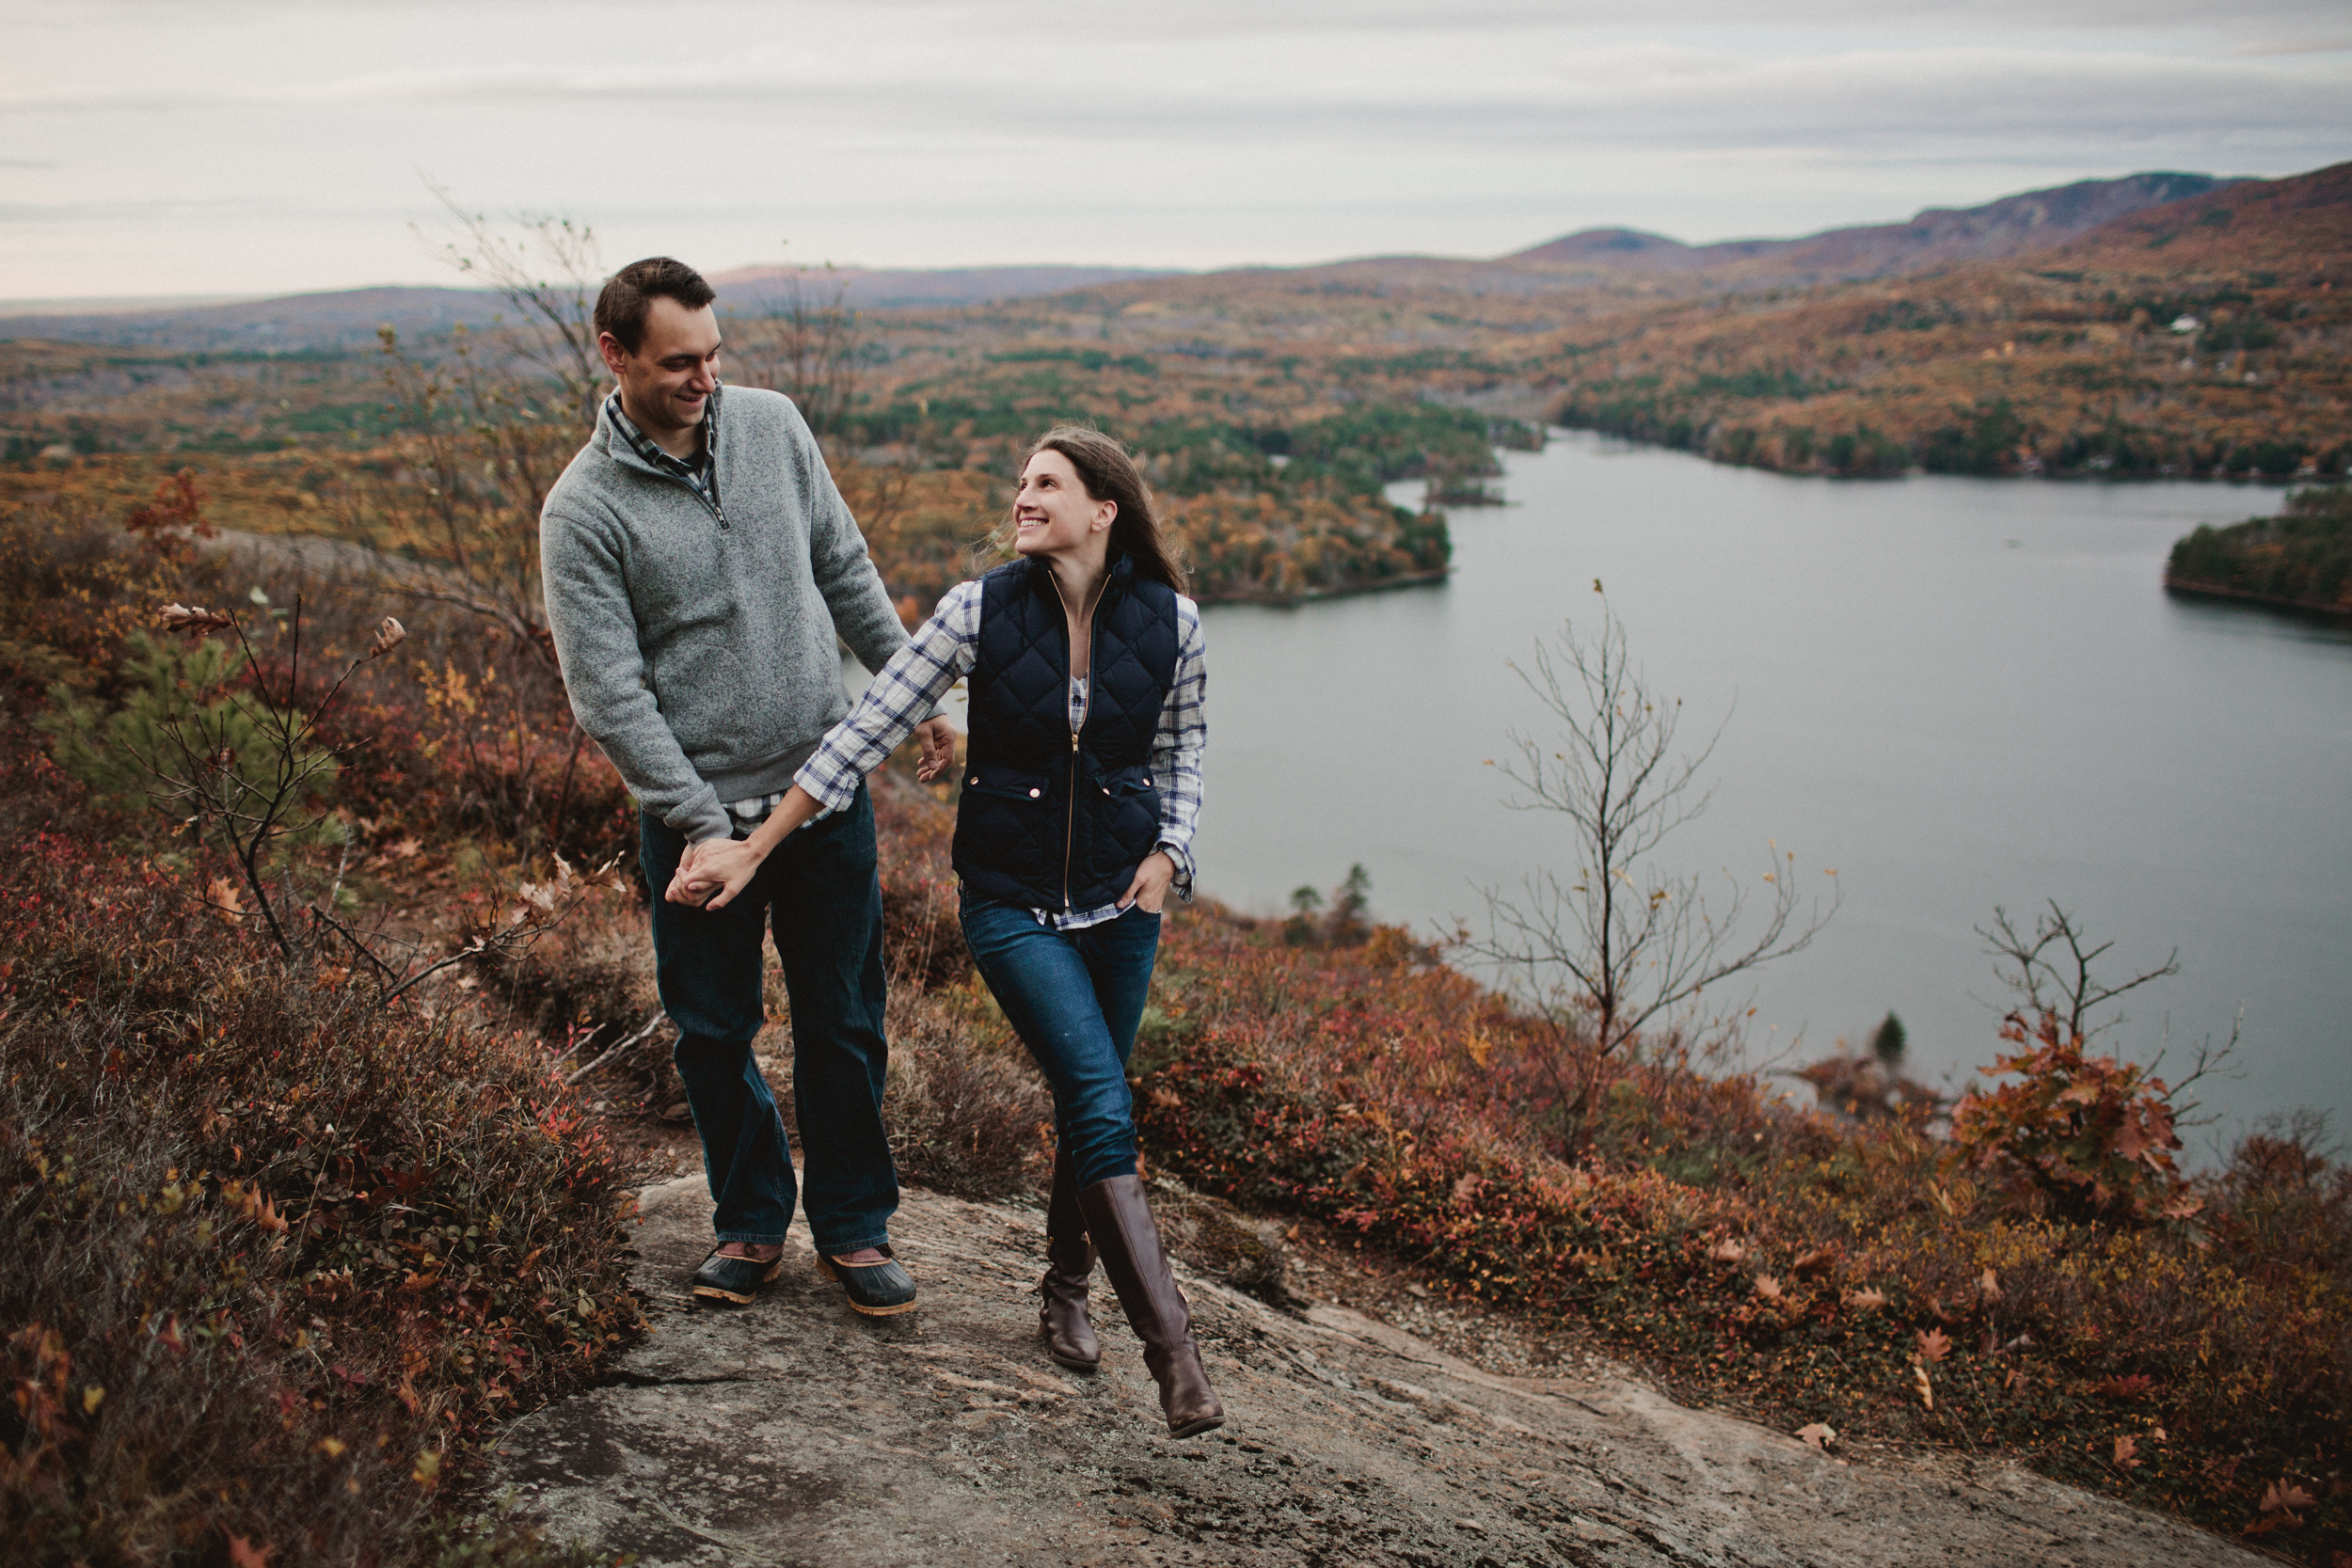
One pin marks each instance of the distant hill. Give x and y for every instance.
(1938, 236)
(2300, 224)
(344, 318)
(877, 288)
(2204, 335)
(1620, 261)
(349, 318)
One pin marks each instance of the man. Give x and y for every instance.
(698, 564)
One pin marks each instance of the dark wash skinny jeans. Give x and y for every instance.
(1074, 998)
(821, 892)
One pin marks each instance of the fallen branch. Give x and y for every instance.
(642, 1032)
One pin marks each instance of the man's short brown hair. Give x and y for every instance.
(630, 292)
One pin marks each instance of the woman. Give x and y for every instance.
(1081, 788)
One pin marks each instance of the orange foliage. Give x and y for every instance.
(2086, 1134)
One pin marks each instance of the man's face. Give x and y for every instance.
(667, 383)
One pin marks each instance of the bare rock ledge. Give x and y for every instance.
(795, 1432)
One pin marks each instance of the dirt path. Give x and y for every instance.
(794, 1432)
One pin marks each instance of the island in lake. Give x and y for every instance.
(2300, 558)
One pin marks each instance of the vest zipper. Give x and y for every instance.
(1069, 823)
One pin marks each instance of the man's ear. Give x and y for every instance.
(615, 357)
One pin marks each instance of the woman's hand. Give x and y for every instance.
(937, 740)
(1150, 887)
(713, 872)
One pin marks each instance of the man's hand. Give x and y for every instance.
(937, 738)
(1150, 887)
(711, 873)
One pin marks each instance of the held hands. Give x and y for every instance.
(937, 738)
(1150, 887)
(711, 873)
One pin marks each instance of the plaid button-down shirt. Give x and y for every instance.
(701, 473)
(910, 687)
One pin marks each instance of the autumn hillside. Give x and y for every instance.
(1936, 237)
(2205, 336)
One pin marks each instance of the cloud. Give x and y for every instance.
(1656, 95)
(2340, 43)
(1210, 129)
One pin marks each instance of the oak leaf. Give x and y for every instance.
(1867, 1299)
(1920, 1386)
(1726, 1251)
(245, 1554)
(1818, 1435)
(2126, 1453)
(2286, 1498)
(1934, 1345)
(1767, 1287)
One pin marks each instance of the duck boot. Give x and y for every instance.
(1119, 1222)
(1061, 1313)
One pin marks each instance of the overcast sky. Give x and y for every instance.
(207, 145)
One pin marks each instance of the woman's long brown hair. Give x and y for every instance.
(1109, 474)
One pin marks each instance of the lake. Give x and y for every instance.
(1958, 693)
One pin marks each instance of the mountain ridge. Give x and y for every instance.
(1994, 230)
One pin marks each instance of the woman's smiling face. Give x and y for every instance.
(1052, 513)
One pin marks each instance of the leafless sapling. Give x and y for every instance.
(1620, 946)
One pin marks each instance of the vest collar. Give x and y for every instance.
(1119, 576)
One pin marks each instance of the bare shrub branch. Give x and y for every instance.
(1619, 944)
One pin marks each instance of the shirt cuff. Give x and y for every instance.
(833, 791)
(1182, 857)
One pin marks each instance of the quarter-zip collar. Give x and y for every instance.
(636, 450)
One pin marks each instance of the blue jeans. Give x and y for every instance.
(1074, 998)
(821, 893)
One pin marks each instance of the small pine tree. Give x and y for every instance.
(1887, 1042)
(1351, 902)
(1300, 929)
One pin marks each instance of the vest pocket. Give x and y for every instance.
(1010, 784)
(1130, 816)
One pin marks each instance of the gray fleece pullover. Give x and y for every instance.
(698, 640)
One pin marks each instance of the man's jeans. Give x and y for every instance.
(1074, 998)
(821, 891)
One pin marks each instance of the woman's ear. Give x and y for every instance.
(1105, 514)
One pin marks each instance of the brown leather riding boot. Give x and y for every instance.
(1119, 1221)
(1061, 1313)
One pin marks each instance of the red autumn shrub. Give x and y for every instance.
(279, 1258)
(1794, 1266)
(2089, 1136)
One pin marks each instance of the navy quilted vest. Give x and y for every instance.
(1047, 821)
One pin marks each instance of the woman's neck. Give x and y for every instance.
(1079, 578)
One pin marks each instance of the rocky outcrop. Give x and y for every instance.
(794, 1432)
